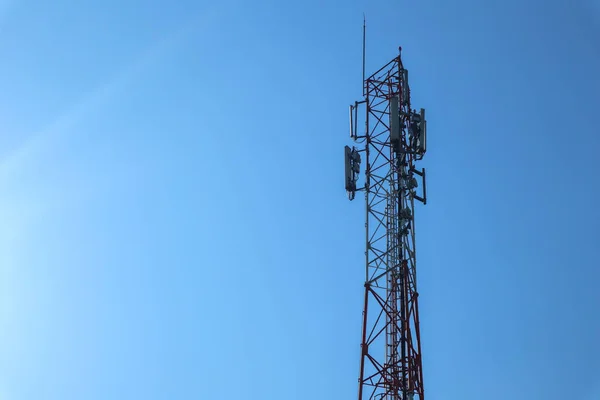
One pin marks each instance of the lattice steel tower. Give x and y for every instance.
(393, 142)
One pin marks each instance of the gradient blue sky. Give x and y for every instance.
(173, 223)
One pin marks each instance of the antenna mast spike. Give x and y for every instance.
(364, 52)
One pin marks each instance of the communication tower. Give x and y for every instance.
(394, 140)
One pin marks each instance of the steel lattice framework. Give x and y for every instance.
(390, 366)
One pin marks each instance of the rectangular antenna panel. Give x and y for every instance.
(405, 89)
(348, 169)
(423, 133)
(394, 123)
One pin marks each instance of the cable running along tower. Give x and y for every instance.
(394, 140)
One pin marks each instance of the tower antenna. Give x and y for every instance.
(391, 147)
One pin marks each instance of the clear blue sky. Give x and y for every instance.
(173, 223)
